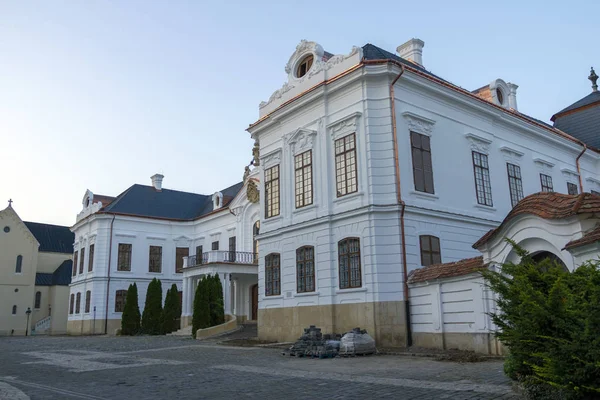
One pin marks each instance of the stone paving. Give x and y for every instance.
(98, 368)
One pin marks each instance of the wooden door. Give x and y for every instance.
(254, 302)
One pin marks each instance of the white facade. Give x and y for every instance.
(348, 94)
(106, 231)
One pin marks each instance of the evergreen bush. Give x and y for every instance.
(549, 319)
(217, 310)
(171, 310)
(130, 320)
(201, 312)
(152, 316)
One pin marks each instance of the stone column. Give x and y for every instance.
(185, 306)
(235, 296)
(226, 294)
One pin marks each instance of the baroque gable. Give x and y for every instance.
(301, 140)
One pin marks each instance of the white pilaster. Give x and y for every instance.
(227, 293)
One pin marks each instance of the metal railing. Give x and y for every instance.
(216, 256)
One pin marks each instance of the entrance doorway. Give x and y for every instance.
(254, 302)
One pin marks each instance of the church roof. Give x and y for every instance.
(146, 201)
(52, 238)
(588, 238)
(60, 277)
(446, 270)
(548, 205)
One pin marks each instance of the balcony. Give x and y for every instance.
(221, 257)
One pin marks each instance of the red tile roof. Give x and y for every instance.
(589, 237)
(447, 270)
(548, 206)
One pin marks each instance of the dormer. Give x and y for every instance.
(500, 93)
(88, 199)
(217, 199)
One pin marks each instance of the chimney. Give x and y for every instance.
(512, 96)
(157, 181)
(412, 51)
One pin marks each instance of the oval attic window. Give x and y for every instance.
(7, 229)
(304, 66)
(500, 96)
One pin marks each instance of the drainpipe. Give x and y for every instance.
(402, 204)
(108, 281)
(579, 168)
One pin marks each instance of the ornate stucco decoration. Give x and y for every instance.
(271, 159)
(569, 174)
(320, 65)
(478, 143)
(418, 124)
(301, 140)
(252, 192)
(543, 163)
(256, 154)
(345, 125)
(303, 49)
(511, 154)
(246, 173)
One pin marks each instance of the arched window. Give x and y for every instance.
(38, 299)
(272, 275)
(14, 310)
(72, 303)
(430, 250)
(19, 266)
(305, 269)
(78, 303)
(88, 300)
(349, 263)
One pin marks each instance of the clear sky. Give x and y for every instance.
(100, 95)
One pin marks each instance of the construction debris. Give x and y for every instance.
(313, 343)
(357, 342)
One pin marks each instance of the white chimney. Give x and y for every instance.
(157, 181)
(412, 51)
(512, 95)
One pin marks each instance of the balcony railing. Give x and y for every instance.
(216, 256)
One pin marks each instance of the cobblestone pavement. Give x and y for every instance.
(179, 368)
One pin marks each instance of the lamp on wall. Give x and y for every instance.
(28, 312)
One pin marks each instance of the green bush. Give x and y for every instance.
(171, 311)
(152, 316)
(217, 310)
(201, 313)
(130, 320)
(550, 321)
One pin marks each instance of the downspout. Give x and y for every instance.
(108, 281)
(579, 168)
(402, 204)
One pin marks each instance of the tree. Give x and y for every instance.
(201, 314)
(171, 311)
(217, 310)
(152, 316)
(549, 319)
(130, 320)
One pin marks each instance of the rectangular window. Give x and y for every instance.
(38, 300)
(120, 297)
(515, 184)
(78, 303)
(180, 252)
(572, 188)
(199, 255)
(422, 165)
(88, 301)
(72, 303)
(305, 269)
(349, 263)
(155, 261)
(272, 275)
(75, 263)
(272, 191)
(546, 181)
(124, 260)
(91, 258)
(303, 172)
(483, 186)
(215, 245)
(430, 250)
(81, 260)
(346, 180)
(231, 255)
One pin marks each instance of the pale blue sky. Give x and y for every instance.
(103, 94)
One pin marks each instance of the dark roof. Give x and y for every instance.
(52, 238)
(447, 270)
(548, 205)
(61, 276)
(588, 238)
(584, 124)
(145, 201)
(591, 98)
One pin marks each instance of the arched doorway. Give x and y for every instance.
(254, 302)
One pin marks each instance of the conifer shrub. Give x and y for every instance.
(152, 315)
(201, 312)
(217, 310)
(170, 315)
(130, 320)
(549, 319)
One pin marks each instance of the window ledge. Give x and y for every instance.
(484, 207)
(154, 273)
(305, 209)
(275, 297)
(425, 195)
(352, 290)
(121, 272)
(272, 219)
(303, 294)
(348, 197)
